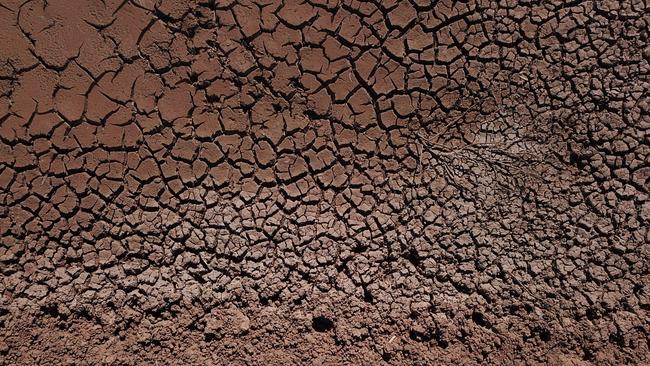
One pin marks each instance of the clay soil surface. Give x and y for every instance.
(289, 182)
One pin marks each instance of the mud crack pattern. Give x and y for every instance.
(338, 182)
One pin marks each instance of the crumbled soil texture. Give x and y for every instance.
(324, 182)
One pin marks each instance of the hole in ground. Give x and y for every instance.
(479, 319)
(322, 324)
(386, 356)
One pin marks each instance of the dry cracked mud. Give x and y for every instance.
(324, 182)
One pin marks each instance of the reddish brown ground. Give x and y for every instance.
(324, 182)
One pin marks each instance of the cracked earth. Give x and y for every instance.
(324, 182)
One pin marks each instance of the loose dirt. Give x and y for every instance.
(324, 182)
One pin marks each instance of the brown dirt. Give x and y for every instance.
(323, 182)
